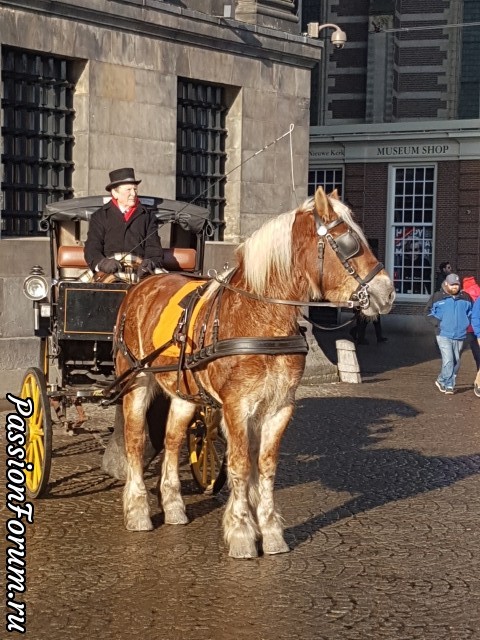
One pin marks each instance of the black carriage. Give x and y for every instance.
(74, 318)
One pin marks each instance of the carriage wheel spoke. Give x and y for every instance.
(205, 462)
(213, 462)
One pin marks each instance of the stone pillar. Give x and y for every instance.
(276, 14)
(318, 368)
(348, 367)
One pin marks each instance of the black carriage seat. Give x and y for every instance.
(71, 257)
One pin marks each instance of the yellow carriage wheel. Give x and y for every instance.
(207, 452)
(38, 437)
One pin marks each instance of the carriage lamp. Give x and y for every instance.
(35, 286)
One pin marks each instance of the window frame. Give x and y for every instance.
(318, 183)
(201, 174)
(392, 225)
(37, 90)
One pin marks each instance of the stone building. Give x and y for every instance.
(395, 126)
(185, 92)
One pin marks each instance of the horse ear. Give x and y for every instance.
(334, 195)
(322, 205)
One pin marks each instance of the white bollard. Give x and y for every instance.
(348, 367)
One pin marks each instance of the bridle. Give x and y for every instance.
(345, 246)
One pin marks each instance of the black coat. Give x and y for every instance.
(108, 233)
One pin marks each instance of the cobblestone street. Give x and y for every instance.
(379, 485)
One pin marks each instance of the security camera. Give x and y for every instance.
(338, 39)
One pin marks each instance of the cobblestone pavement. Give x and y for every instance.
(379, 486)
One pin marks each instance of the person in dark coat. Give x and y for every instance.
(444, 268)
(123, 225)
(358, 331)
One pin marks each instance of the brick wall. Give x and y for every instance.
(446, 226)
(366, 189)
(347, 68)
(418, 82)
(457, 223)
(416, 108)
(425, 6)
(468, 247)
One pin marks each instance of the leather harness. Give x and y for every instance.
(345, 246)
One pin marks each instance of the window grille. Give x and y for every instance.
(413, 207)
(201, 152)
(37, 138)
(329, 179)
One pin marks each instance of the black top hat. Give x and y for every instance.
(121, 176)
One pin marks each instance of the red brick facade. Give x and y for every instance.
(457, 221)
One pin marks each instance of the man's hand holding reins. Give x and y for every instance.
(109, 265)
(147, 267)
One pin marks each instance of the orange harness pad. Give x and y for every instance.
(168, 320)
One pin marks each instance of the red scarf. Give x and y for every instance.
(128, 212)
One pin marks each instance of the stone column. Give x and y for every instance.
(318, 368)
(276, 14)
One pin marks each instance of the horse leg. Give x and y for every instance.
(135, 503)
(179, 417)
(240, 529)
(269, 520)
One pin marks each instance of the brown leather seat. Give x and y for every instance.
(179, 259)
(175, 259)
(71, 258)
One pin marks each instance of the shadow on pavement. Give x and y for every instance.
(401, 350)
(343, 433)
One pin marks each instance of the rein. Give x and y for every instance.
(350, 304)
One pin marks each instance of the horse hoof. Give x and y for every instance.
(139, 524)
(175, 516)
(274, 547)
(243, 551)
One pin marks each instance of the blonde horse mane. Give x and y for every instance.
(269, 249)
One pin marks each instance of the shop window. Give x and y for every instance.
(412, 212)
(329, 179)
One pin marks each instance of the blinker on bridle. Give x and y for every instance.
(345, 246)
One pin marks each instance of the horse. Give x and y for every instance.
(316, 251)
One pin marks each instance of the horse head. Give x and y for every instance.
(335, 257)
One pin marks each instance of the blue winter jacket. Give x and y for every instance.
(476, 318)
(453, 314)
